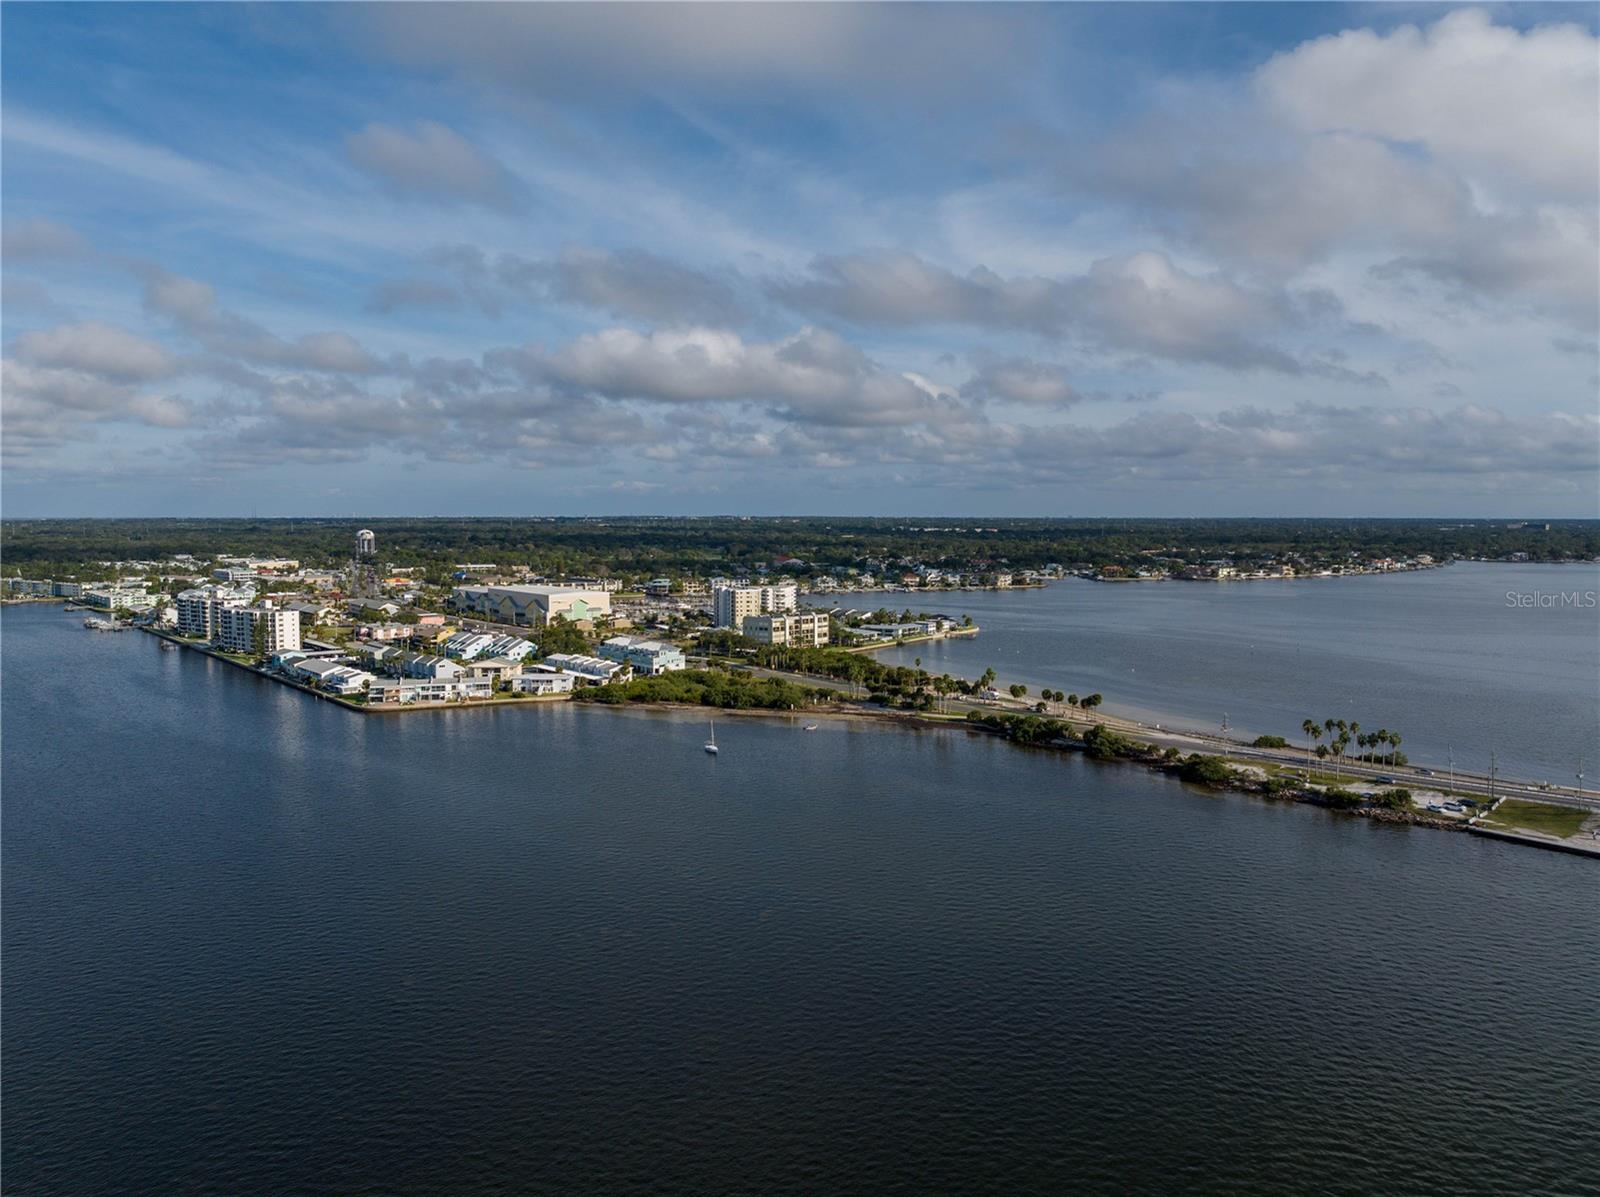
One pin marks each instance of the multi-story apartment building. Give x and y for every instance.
(197, 608)
(803, 631)
(731, 604)
(114, 596)
(236, 629)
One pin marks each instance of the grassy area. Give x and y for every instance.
(1521, 815)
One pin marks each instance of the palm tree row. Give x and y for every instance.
(1347, 733)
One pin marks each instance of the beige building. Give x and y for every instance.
(731, 604)
(802, 631)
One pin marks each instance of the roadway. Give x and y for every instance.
(1410, 777)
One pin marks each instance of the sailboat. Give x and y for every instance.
(711, 744)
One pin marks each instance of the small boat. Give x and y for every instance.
(168, 647)
(811, 727)
(711, 744)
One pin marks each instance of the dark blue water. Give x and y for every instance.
(256, 943)
(1440, 656)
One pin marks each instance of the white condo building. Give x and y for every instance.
(731, 604)
(236, 629)
(197, 609)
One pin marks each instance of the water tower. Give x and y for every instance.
(366, 543)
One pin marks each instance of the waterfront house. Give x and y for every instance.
(589, 671)
(407, 691)
(493, 669)
(646, 656)
(540, 681)
(439, 669)
(333, 676)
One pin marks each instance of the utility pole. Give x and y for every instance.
(1491, 777)
(1450, 755)
(1580, 777)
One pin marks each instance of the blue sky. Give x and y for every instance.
(1086, 259)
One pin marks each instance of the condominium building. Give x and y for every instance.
(237, 629)
(803, 631)
(113, 597)
(731, 604)
(197, 608)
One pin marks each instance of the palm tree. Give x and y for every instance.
(1313, 732)
(1394, 756)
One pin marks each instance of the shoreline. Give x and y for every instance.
(1148, 755)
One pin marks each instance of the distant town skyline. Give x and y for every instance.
(1233, 260)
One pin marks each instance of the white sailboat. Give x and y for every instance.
(711, 744)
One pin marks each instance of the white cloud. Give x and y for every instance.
(1019, 380)
(1136, 303)
(431, 160)
(33, 240)
(1511, 109)
(813, 375)
(95, 348)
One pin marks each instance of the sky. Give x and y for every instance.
(1047, 260)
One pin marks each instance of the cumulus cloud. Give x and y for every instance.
(1020, 380)
(192, 305)
(1136, 303)
(433, 161)
(1463, 151)
(622, 282)
(626, 283)
(569, 51)
(1551, 256)
(35, 240)
(1496, 103)
(814, 375)
(95, 348)
(44, 406)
